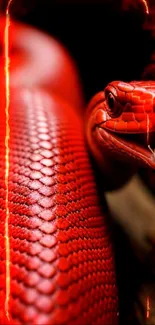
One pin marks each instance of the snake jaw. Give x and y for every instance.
(118, 133)
(120, 148)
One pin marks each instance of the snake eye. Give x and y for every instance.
(113, 107)
(111, 101)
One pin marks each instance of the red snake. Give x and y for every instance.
(61, 260)
(61, 254)
(121, 127)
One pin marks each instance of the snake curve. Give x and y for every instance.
(61, 254)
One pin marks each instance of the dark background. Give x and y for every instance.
(107, 43)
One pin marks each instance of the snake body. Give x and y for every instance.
(62, 268)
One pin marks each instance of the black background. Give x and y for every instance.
(107, 44)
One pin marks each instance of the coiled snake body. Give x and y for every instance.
(61, 256)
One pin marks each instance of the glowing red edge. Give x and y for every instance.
(7, 162)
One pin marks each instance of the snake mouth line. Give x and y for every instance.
(138, 139)
(138, 146)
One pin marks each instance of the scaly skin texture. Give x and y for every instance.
(121, 127)
(61, 255)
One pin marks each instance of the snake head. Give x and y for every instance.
(121, 123)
